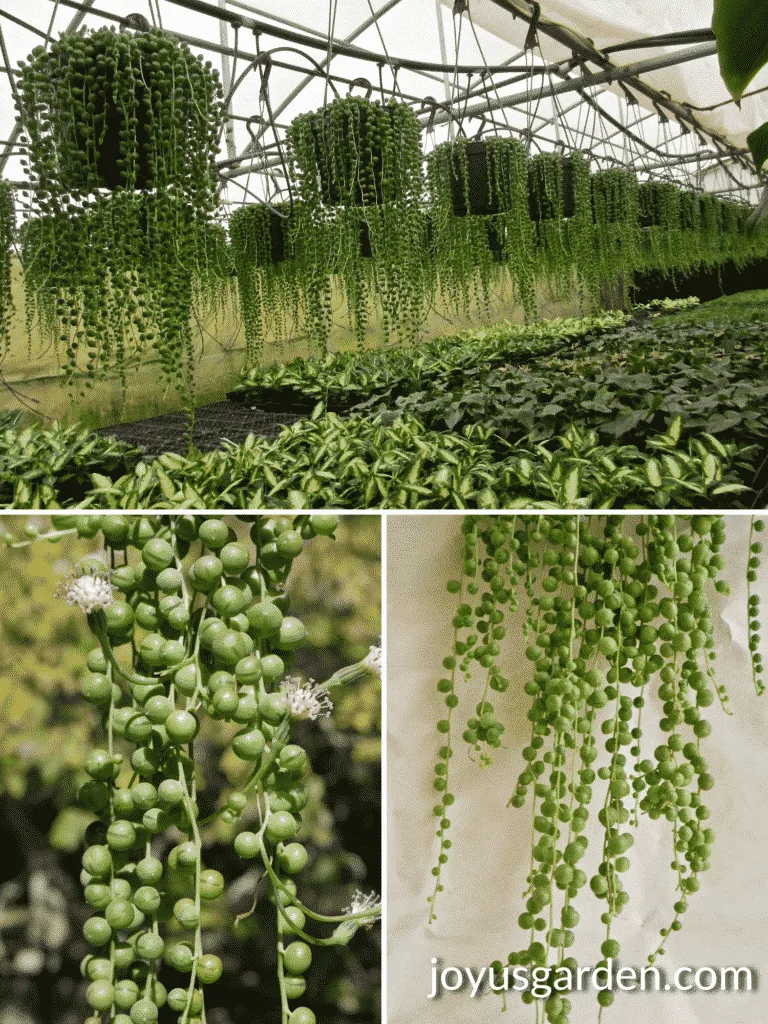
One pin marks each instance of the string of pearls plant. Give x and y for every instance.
(124, 243)
(7, 231)
(191, 622)
(615, 610)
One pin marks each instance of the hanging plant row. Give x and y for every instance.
(191, 623)
(482, 211)
(125, 242)
(616, 611)
(123, 131)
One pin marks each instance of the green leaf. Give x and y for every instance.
(103, 483)
(675, 428)
(571, 487)
(730, 489)
(758, 144)
(721, 421)
(167, 485)
(741, 27)
(653, 472)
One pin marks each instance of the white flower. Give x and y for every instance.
(363, 901)
(306, 698)
(372, 661)
(91, 591)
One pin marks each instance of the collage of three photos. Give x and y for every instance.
(383, 494)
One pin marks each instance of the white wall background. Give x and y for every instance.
(727, 921)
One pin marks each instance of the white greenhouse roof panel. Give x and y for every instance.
(697, 83)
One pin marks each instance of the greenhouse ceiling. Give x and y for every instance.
(631, 83)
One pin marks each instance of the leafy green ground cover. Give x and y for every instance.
(660, 410)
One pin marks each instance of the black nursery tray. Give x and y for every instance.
(274, 401)
(221, 421)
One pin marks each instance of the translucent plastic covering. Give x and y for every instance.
(274, 64)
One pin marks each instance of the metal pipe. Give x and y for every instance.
(323, 63)
(226, 79)
(697, 35)
(444, 58)
(340, 49)
(528, 11)
(617, 74)
(24, 24)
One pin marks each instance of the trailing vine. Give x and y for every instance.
(123, 132)
(357, 166)
(7, 236)
(617, 229)
(661, 223)
(580, 231)
(269, 274)
(753, 604)
(546, 188)
(191, 622)
(615, 610)
(478, 195)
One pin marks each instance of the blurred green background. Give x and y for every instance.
(46, 730)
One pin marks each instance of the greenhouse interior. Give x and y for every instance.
(383, 254)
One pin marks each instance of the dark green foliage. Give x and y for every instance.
(595, 413)
(348, 379)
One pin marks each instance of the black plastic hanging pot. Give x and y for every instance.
(108, 160)
(496, 241)
(569, 192)
(541, 207)
(277, 228)
(335, 192)
(649, 214)
(366, 251)
(469, 180)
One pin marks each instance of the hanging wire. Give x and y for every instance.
(457, 48)
(49, 33)
(532, 112)
(608, 144)
(558, 113)
(386, 54)
(332, 9)
(487, 71)
(233, 76)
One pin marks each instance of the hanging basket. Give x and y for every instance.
(470, 180)
(96, 109)
(690, 211)
(351, 155)
(480, 177)
(614, 195)
(659, 204)
(277, 236)
(551, 193)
